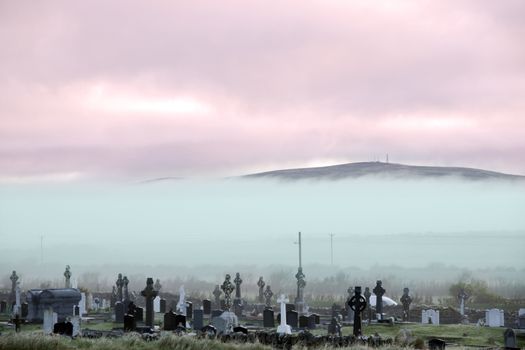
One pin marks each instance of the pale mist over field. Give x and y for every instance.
(246, 222)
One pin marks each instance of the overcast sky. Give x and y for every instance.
(140, 89)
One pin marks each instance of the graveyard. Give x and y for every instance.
(154, 318)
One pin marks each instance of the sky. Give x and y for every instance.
(132, 90)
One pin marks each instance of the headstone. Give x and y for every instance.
(198, 319)
(268, 318)
(50, 318)
(312, 321)
(509, 338)
(349, 311)
(157, 285)
(14, 282)
(430, 317)
(63, 328)
(130, 325)
(406, 300)
(156, 304)
(462, 297)
(290, 307)
(268, 294)
(89, 301)
(301, 283)
(25, 310)
(180, 321)
(120, 284)
(217, 294)
(113, 298)
(303, 322)
(494, 318)
(334, 328)
(149, 293)
(379, 291)
(189, 309)
(521, 318)
(82, 304)
(162, 305)
(169, 321)
(261, 284)
(227, 287)
(119, 312)
(139, 314)
(75, 321)
(206, 306)
(367, 294)
(125, 290)
(67, 276)
(283, 328)
(292, 318)
(3, 307)
(225, 322)
(238, 282)
(18, 304)
(358, 304)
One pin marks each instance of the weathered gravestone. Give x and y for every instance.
(24, 310)
(14, 282)
(3, 307)
(149, 293)
(237, 302)
(292, 318)
(430, 317)
(120, 284)
(156, 304)
(169, 321)
(367, 294)
(50, 318)
(227, 287)
(334, 328)
(303, 322)
(261, 284)
(225, 322)
(312, 321)
(189, 309)
(198, 319)
(268, 294)
(509, 339)
(139, 314)
(349, 311)
(379, 291)
(268, 318)
(494, 318)
(406, 300)
(358, 304)
(206, 306)
(162, 305)
(462, 297)
(217, 294)
(180, 321)
(521, 318)
(119, 312)
(130, 325)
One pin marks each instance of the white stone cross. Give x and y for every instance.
(181, 305)
(283, 327)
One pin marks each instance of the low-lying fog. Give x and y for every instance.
(234, 221)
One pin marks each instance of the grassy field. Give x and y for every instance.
(455, 335)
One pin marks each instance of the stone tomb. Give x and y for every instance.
(61, 300)
(430, 316)
(494, 318)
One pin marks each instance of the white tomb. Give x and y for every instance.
(430, 316)
(494, 318)
(283, 328)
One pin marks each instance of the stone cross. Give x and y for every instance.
(238, 282)
(406, 300)
(149, 293)
(261, 284)
(18, 305)
(158, 286)
(125, 283)
(14, 281)
(283, 328)
(67, 275)
(462, 297)
(227, 287)
(119, 284)
(358, 304)
(217, 294)
(379, 291)
(113, 299)
(301, 283)
(268, 294)
(367, 295)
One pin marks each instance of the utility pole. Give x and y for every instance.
(331, 249)
(300, 260)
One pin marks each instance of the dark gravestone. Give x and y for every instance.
(63, 328)
(268, 318)
(149, 293)
(334, 328)
(119, 312)
(180, 321)
(198, 319)
(358, 304)
(509, 338)
(406, 300)
(130, 325)
(139, 315)
(311, 321)
(379, 291)
(25, 310)
(3, 307)
(206, 306)
(216, 313)
(162, 305)
(169, 321)
(303, 322)
(292, 319)
(317, 318)
(290, 307)
(189, 309)
(436, 344)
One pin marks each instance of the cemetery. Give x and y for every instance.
(155, 318)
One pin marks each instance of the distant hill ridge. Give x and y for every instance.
(360, 169)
